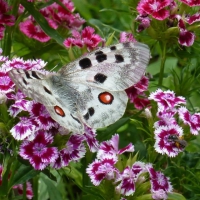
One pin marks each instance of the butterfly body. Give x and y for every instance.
(89, 90)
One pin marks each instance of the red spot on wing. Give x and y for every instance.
(59, 111)
(106, 98)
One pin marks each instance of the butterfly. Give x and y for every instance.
(90, 90)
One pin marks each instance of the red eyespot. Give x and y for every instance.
(106, 98)
(59, 111)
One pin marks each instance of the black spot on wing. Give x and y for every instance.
(98, 53)
(86, 116)
(91, 111)
(75, 119)
(46, 90)
(27, 74)
(119, 58)
(85, 63)
(101, 57)
(113, 48)
(24, 81)
(100, 77)
(34, 74)
(18, 71)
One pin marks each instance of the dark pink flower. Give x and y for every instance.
(166, 140)
(39, 119)
(32, 30)
(5, 19)
(136, 94)
(6, 84)
(186, 37)
(166, 118)
(19, 63)
(29, 190)
(129, 177)
(23, 129)
(166, 99)
(87, 38)
(155, 8)
(63, 17)
(110, 148)
(102, 169)
(160, 184)
(126, 37)
(90, 138)
(144, 22)
(40, 115)
(74, 150)
(143, 84)
(141, 102)
(20, 103)
(16, 96)
(37, 151)
(191, 3)
(194, 18)
(192, 120)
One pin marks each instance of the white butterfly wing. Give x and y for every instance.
(47, 90)
(32, 84)
(114, 68)
(101, 107)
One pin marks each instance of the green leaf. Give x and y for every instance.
(110, 39)
(144, 197)
(23, 174)
(105, 133)
(175, 196)
(51, 188)
(4, 116)
(100, 25)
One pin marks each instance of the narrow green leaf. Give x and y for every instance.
(23, 174)
(51, 188)
(99, 24)
(110, 39)
(175, 196)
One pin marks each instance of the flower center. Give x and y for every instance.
(193, 119)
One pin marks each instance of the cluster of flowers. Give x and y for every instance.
(38, 129)
(58, 17)
(168, 133)
(19, 187)
(104, 167)
(169, 9)
(5, 19)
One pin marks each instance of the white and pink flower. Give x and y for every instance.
(38, 152)
(192, 120)
(164, 144)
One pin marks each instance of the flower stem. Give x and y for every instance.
(162, 66)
